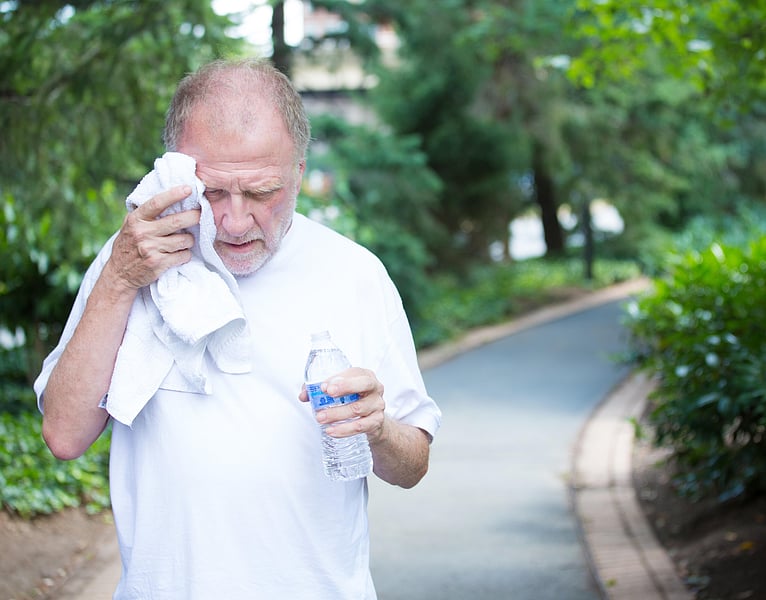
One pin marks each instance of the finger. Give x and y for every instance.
(362, 408)
(141, 224)
(173, 222)
(178, 242)
(364, 425)
(173, 259)
(153, 207)
(303, 396)
(158, 237)
(353, 381)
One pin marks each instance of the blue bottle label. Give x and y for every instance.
(320, 400)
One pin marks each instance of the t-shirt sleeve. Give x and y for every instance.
(405, 393)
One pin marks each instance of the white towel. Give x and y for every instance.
(189, 310)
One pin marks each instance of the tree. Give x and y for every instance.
(521, 41)
(646, 142)
(381, 193)
(647, 146)
(484, 86)
(717, 45)
(432, 93)
(281, 56)
(426, 103)
(83, 90)
(674, 83)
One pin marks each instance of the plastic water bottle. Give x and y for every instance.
(345, 458)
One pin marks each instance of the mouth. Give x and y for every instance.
(239, 247)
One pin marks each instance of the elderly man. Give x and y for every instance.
(220, 493)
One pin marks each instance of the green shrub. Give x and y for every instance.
(494, 293)
(16, 394)
(33, 482)
(738, 229)
(701, 333)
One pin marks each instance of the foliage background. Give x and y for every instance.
(490, 109)
(696, 333)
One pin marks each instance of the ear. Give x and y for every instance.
(301, 171)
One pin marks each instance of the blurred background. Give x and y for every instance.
(496, 154)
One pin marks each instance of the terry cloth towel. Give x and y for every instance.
(190, 310)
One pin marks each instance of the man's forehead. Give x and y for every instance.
(239, 181)
(228, 145)
(239, 175)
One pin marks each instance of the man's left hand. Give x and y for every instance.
(366, 414)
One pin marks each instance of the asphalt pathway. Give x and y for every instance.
(494, 519)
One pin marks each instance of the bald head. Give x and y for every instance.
(233, 96)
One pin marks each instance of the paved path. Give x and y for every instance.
(494, 519)
(528, 496)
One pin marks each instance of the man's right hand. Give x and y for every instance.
(148, 245)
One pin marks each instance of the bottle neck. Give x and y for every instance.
(321, 340)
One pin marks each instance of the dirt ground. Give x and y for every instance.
(719, 553)
(37, 556)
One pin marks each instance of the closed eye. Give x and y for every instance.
(261, 194)
(213, 194)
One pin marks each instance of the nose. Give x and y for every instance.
(237, 220)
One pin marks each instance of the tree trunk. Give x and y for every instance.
(589, 248)
(282, 54)
(545, 194)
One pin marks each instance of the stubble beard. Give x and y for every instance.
(263, 249)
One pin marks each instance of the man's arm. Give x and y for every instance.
(144, 249)
(400, 452)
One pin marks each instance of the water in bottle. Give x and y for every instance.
(345, 458)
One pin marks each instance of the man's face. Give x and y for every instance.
(252, 180)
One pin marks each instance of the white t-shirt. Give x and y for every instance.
(224, 496)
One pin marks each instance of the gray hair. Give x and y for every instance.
(223, 82)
